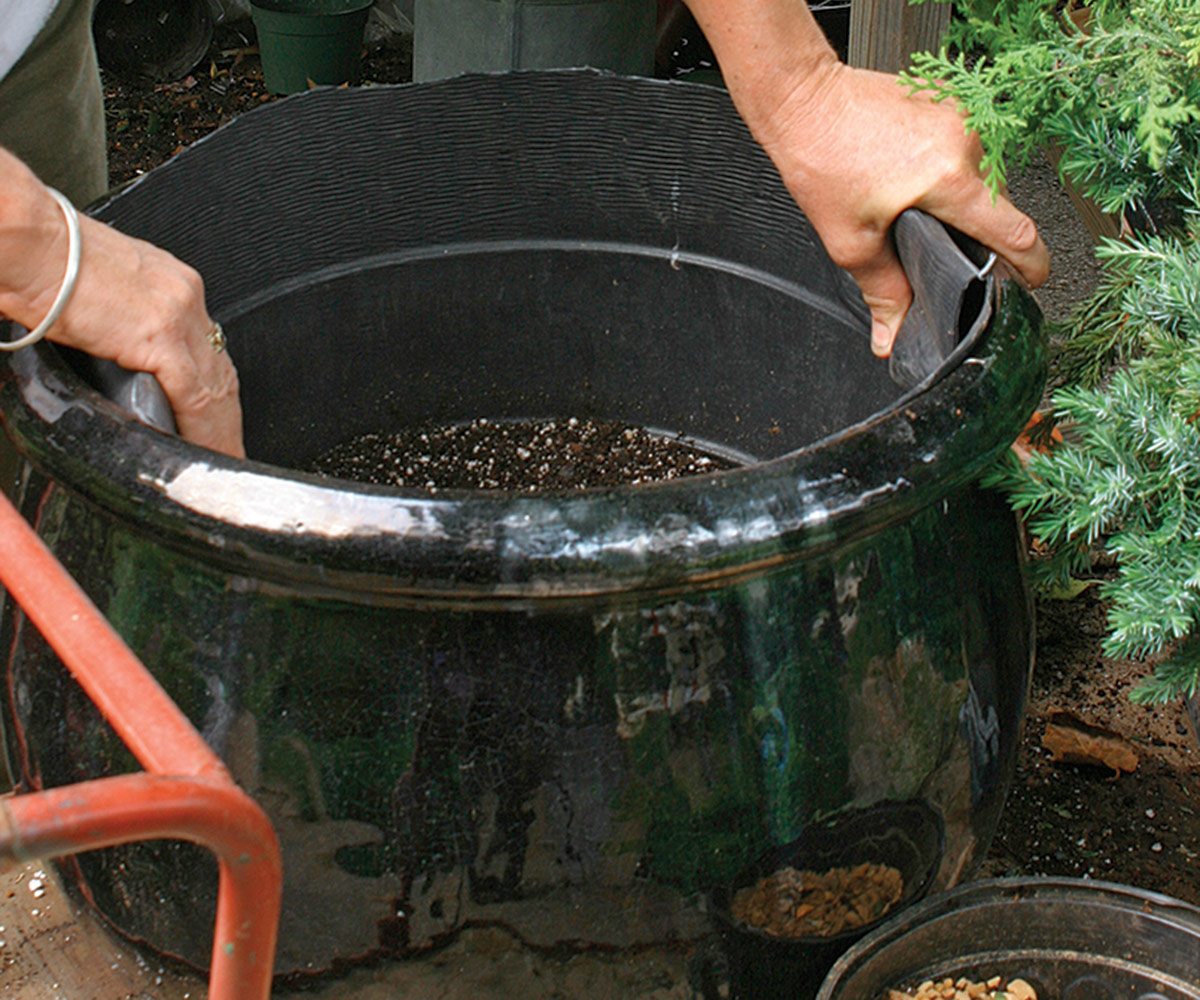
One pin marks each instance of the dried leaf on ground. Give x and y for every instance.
(1070, 590)
(1039, 435)
(1070, 740)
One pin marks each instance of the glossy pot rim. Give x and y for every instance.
(297, 529)
(294, 530)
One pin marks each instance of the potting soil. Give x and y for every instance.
(526, 456)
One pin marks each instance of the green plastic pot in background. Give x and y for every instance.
(306, 42)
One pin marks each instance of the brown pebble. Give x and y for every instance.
(792, 903)
(1018, 989)
(965, 989)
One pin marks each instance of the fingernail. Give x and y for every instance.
(881, 339)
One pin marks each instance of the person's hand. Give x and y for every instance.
(856, 149)
(133, 303)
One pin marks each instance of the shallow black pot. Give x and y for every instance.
(1071, 939)
(570, 712)
(906, 836)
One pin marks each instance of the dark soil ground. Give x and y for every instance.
(149, 122)
(1140, 827)
(1143, 827)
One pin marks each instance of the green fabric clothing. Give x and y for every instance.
(52, 106)
(52, 117)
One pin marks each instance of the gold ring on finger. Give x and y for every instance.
(216, 337)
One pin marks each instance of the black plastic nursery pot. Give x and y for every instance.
(577, 712)
(905, 836)
(160, 40)
(1070, 939)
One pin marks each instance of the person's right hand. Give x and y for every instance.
(133, 303)
(856, 148)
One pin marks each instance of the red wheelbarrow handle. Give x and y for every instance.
(188, 794)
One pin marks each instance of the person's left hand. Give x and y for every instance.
(133, 303)
(144, 309)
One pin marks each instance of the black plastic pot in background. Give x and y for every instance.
(906, 836)
(159, 40)
(682, 51)
(1071, 939)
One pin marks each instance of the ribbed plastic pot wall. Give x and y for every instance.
(570, 712)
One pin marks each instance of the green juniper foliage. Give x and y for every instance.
(1117, 91)
(1118, 96)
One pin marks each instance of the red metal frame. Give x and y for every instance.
(185, 792)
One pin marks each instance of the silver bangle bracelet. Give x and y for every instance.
(68, 281)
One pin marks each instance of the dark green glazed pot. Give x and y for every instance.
(573, 713)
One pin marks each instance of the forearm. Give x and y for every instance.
(772, 53)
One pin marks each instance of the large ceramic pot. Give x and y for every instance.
(572, 712)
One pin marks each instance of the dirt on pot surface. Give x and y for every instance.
(1140, 827)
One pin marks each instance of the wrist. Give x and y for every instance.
(66, 288)
(33, 244)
